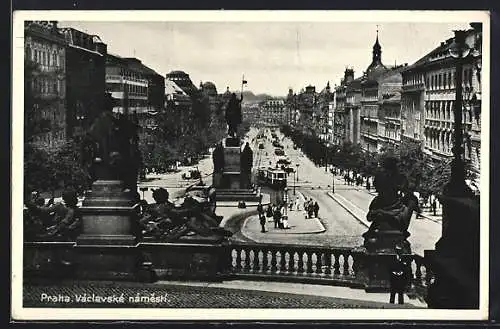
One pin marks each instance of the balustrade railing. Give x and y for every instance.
(336, 266)
(293, 261)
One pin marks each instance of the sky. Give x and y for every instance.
(273, 56)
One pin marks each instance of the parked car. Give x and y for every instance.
(261, 146)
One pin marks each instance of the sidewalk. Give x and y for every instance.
(228, 294)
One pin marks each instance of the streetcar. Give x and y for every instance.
(271, 177)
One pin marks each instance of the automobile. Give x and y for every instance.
(261, 146)
(191, 174)
(279, 151)
(283, 161)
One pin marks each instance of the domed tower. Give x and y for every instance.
(376, 67)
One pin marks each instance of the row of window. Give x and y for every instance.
(48, 85)
(43, 57)
(51, 139)
(119, 87)
(446, 80)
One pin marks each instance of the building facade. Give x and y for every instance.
(273, 112)
(429, 99)
(378, 85)
(45, 56)
(85, 79)
(127, 84)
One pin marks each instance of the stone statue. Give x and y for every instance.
(218, 158)
(114, 150)
(246, 164)
(388, 213)
(233, 114)
(192, 214)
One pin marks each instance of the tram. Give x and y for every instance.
(271, 177)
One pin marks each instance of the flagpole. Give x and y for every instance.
(242, 79)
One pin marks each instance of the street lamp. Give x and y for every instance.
(456, 186)
(285, 199)
(297, 171)
(333, 182)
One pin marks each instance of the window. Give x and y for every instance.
(36, 56)
(439, 81)
(449, 80)
(43, 58)
(54, 59)
(444, 81)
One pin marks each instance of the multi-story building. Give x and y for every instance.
(85, 79)
(273, 112)
(331, 123)
(291, 107)
(352, 109)
(178, 105)
(429, 96)
(306, 103)
(183, 80)
(321, 110)
(390, 122)
(378, 82)
(127, 84)
(45, 56)
(251, 113)
(339, 114)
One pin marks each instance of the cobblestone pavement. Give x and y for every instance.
(135, 295)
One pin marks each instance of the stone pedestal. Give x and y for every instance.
(106, 248)
(376, 257)
(373, 269)
(190, 258)
(231, 184)
(455, 262)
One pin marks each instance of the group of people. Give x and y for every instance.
(276, 212)
(52, 219)
(311, 208)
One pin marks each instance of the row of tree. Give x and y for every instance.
(413, 164)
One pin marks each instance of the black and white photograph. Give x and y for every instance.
(250, 165)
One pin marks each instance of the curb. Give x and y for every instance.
(348, 209)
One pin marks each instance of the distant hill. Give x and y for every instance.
(250, 97)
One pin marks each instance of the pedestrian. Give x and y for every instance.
(297, 203)
(399, 277)
(434, 206)
(277, 217)
(368, 186)
(269, 212)
(316, 209)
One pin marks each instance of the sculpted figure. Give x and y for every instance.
(246, 162)
(388, 211)
(233, 114)
(112, 143)
(189, 215)
(60, 220)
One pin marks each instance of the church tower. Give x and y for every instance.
(377, 52)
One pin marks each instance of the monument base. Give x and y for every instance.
(107, 247)
(190, 258)
(373, 269)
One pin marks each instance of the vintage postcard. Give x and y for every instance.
(250, 165)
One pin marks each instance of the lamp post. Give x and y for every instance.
(456, 186)
(294, 180)
(285, 199)
(326, 157)
(297, 171)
